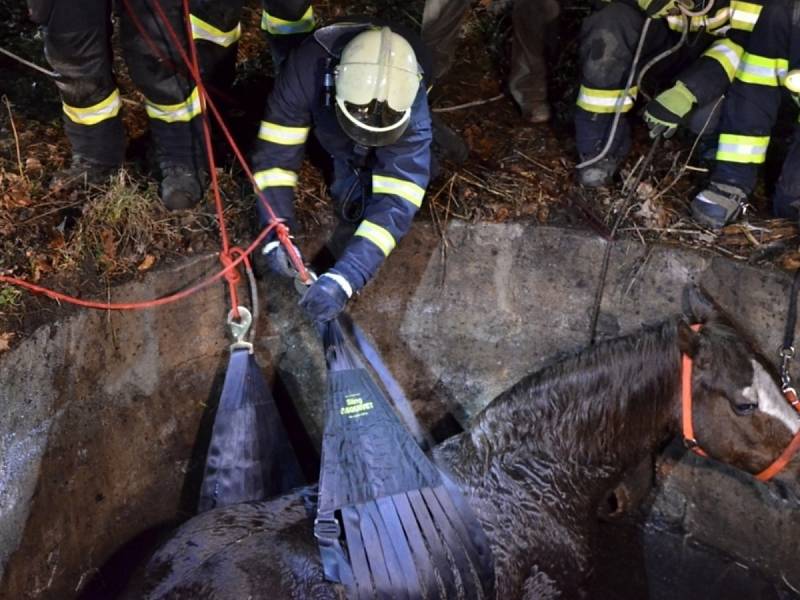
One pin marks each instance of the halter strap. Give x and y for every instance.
(690, 441)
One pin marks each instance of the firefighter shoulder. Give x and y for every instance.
(360, 87)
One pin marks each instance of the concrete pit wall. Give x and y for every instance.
(103, 416)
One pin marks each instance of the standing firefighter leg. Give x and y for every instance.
(407, 532)
(441, 25)
(77, 41)
(286, 23)
(216, 30)
(528, 78)
(171, 98)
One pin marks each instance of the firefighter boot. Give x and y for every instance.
(598, 174)
(718, 205)
(181, 187)
(84, 171)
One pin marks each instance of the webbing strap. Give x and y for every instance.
(791, 317)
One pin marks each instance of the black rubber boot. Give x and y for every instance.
(83, 172)
(447, 144)
(598, 174)
(181, 187)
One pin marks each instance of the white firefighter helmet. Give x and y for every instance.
(377, 80)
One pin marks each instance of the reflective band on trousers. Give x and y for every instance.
(175, 113)
(91, 115)
(377, 235)
(206, 31)
(742, 148)
(761, 70)
(275, 178)
(277, 26)
(282, 134)
(710, 24)
(408, 190)
(604, 101)
(728, 54)
(745, 15)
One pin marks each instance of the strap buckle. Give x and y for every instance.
(327, 530)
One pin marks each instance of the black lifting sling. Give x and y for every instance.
(408, 531)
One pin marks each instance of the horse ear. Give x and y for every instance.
(698, 306)
(688, 340)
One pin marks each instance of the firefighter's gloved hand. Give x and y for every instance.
(655, 9)
(277, 260)
(665, 112)
(326, 297)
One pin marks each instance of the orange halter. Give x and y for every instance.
(688, 428)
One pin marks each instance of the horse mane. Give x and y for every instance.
(596, 405)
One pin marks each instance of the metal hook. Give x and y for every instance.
(302, 286)
(240, 329)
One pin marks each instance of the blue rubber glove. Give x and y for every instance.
(277, 260)
(326, 297)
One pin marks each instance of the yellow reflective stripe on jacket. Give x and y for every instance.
(745, 15)
(275, 178)
(604, 101)
(710, 24)
(377, 235)
(175, 113)
(277, 26)
(742, 148)
(91, 115)
(762, 70)
(728, 54)
(408, 190)
(206, 31)
(282, 134)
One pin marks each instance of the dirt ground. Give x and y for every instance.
(83, 240)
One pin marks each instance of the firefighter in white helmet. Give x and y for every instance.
(360, 87)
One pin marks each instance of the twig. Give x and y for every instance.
(28, 63)
(468, 104)
(16, 137)
(533, 161)
(789, 585)
(482, 186)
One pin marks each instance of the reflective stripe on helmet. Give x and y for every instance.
(278, 26)
(742, 148)
(175, 113)
(761, 70)
(206, 31)
(275, 177)
(282, 134)
(745, 15)
(377, 235)
(605, 101)
(91, 115)
(728, 54)
(408, 190)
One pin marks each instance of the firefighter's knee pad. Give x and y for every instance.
(607, 43)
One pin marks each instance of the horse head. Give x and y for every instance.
(740, 414)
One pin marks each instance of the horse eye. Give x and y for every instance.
(744, 410)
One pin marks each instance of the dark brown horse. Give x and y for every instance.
(535, 465)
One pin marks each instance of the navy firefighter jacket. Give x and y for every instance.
(400, 171)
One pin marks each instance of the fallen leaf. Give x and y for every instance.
(148, 262)
(5, 341)
(109, 245)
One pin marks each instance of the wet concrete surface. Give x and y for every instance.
(103, 419)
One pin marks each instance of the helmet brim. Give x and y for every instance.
(370, 136)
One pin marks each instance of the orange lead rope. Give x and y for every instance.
(688, 427)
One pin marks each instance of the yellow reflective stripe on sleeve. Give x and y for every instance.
(275, 178)
(377, 235)
(742, 148)
(175, 113)
(206, 31)
(761, 70)
(92, 115)
(604, 101)
(408, 190)
(277, 26)
(728, 54)
(282, 134)
(745, 15)
(709, 24)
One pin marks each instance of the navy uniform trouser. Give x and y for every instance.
(77, 38)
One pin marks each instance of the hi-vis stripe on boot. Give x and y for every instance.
(742, 148)
(408, 190)
(761, 70)
(728, 54)
(275, 178)
(605, 101)
(377, 235)
(277, 26)
(206, 31)
(282, 134)
(181, 112)
(92, 115)
(745, 15)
